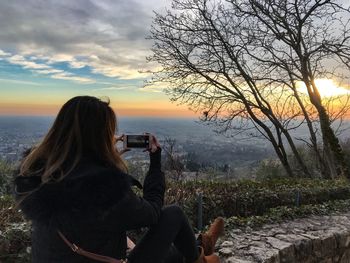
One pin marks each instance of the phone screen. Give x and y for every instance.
(137, 141)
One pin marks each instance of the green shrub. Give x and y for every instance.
(270, 169)
(284, 213)
(248, 198)
(14, 233)
(243, 202)
(6, 177)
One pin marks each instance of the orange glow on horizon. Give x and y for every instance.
(28, 109)
(155, 106)
(140, 111)
(169, 113)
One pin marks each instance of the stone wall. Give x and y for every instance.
(318, 239)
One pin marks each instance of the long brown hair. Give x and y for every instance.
(85, 125)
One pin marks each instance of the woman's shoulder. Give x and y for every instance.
(88, 169)
(85, 173)
(89, 190)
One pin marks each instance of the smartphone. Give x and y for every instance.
(137, 141)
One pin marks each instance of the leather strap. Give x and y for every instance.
(88, 254)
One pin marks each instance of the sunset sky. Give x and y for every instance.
(53, 50)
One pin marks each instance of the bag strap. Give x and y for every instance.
(88, 254)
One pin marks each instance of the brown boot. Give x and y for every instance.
(209, 238)
(207, 259)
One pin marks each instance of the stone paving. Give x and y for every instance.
(317, 239)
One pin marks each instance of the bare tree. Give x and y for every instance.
(235, 62)
(174, 163)
(304, 41)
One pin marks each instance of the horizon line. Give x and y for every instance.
(118, 116)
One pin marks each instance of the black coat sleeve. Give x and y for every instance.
(135, 212)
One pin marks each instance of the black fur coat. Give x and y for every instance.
(93, 207)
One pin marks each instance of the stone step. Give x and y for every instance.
(317, 239)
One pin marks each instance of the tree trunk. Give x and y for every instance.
(334, 155)
(333, 151)
(294, 149)
(324, 167)
(278, 147)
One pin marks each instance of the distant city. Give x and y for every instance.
(20, 133)
(193, 140)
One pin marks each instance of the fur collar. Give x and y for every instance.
(89, 191)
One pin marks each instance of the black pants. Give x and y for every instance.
(170, 240)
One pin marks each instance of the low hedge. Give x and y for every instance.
(239, 198)
(14, 233)
(248, 198)
(245, 203)
(282, 213)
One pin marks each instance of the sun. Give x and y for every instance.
(326, 87)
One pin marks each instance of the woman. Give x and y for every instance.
(74, 187)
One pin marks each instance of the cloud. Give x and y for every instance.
(21, 82)
(40, 68)
(49, 71)
(111, 88)
(77, 64)
(20, 60)
(150, 89)
(4, 54)
(114, 88)
(105, 35)
(71, 77)
(157, 88)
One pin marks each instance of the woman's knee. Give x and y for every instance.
(174, 212)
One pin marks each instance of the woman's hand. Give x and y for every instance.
(154, 144)
(130, 244)
(154, 154)
(120, 138)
